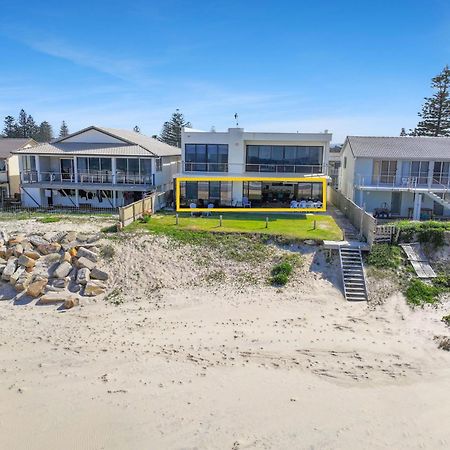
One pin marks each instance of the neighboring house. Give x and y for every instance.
(9, 165)
(408, 176)
(252, 170)
(96, 168)
(334, 164)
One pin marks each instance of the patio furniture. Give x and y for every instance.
(192, 206)
(294, 204)
(208, 213)
(302, 204)
(246, 203)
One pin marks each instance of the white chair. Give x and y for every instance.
(294, 204)
(210, 206)
(246, 203)
(193, 206)
(310, 204)
(319, 204)
(302, 204)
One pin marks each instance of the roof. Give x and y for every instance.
(152, 145)
(9, 145)
(399, 147)
(133, 144)
(77, 148)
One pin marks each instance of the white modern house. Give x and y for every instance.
(408, 176)
(257, 170)
(96, 167)
(9, 165)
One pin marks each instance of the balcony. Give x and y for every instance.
(81, 179)
(237, 168)
(415, 182)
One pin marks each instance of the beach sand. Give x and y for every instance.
(184, 361)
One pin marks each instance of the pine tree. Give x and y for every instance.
(171, 130)
(45, 133)
(32, 129)
(10, 129)
(64, 130)
(435, 112)
(403, 132)
(22, 124)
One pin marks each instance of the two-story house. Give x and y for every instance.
(9, 165)
(407, 176)
(253, 170)
(96, 168)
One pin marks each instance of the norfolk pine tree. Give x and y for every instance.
(171, 130)
(435, 112)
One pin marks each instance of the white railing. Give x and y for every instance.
(97, 177)
(307, 169)
(408, 182)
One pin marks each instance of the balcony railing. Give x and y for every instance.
(308, 169)
(407, 182)
(97, 177)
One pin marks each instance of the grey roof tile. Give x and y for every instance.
(9, 145)
(400, 147)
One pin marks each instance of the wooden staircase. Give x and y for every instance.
(353, 274)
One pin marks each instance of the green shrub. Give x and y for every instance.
(419, 293)
(279, 279)
(442, 282)
(107, 251)
(429, 231)
(283, 267)
(446, 319)
(385, 256)
(50, 219)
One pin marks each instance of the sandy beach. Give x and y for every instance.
(178, 358)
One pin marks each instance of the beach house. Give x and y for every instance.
(9, 165)
(407, 176)
(243, 170)
(96, 167)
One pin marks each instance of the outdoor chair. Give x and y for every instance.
(192, 206)
(246, 203)
(302, 204)
(294, 204)
(210, 206)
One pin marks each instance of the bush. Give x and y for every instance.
(446, 319)
(50, 219)
(442, 282)
(385, 256)
(430, 231)
(282, 270)
(107, 252)
(419, 293)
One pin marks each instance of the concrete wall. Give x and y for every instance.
(347, 173)
(164, 179)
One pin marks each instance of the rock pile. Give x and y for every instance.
(54, 267)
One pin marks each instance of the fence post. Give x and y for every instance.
(134, 212)
(267, 222)
(220, 220)
(176, 218)
(315, 225)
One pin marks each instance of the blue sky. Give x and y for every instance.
(352, 67)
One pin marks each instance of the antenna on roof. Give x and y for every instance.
(137, 129)
(236, 118)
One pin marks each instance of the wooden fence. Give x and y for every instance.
(360, 219)
(130, 213)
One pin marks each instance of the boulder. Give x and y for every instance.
(9, 269)
(94, 287)
(23, 282)
(68, 237)
(73, 251)
(99, 274)
(2, 268)
(54, 237)
(71, 302)
(32, 254)
(88, 254)
(37, 240)
(3, 261)
(15, 276)
(17, 250)
(25, 261)
(4, 236)
(61, 283)
(62, 270)
(83, 276)
(54, 297)
(46, 249)
(3, 251)
(36, 287)
(16, 239)
(66, 257)
(75, 287)
(84, 262)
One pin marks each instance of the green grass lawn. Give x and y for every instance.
(286, 225)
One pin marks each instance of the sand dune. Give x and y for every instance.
(183, 361)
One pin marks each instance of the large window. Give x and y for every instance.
(203, 193)
(416, 171)
(133, 170)
(441, 172)
(94, 170)
(384, 172)
(2, 165)
(206, 158)
(284, 158)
